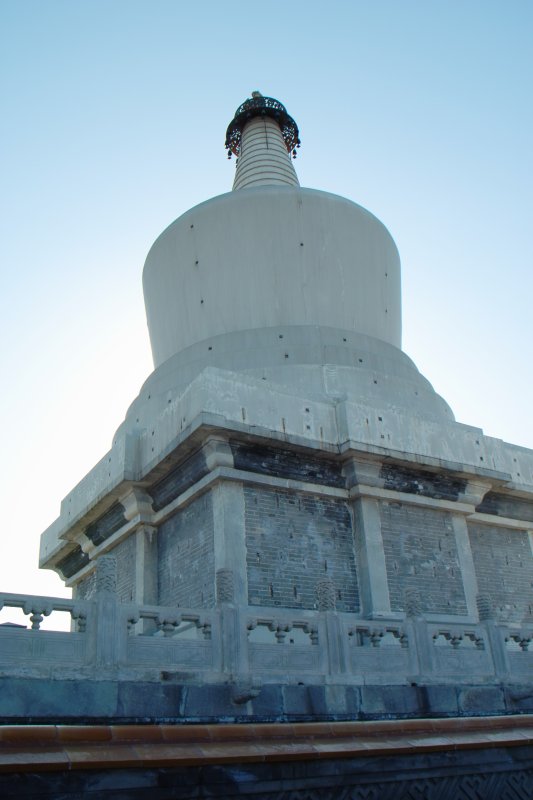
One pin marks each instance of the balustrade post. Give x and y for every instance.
(333, 645)
(233, 629)
(500, 659)
(420, 643)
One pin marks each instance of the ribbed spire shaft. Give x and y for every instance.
(264, 158)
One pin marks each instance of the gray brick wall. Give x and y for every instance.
(85, 588)
(295, 541)
(421, 554)
(186, 567)
(125, 555)
(504, 570)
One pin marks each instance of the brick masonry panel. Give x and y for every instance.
(294, 542)
(186, 571)
(421, 554)
(503, 562)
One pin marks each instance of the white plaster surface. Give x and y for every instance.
(269, 257)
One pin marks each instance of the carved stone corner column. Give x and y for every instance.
(146, 563)
(225, 586)
(105, 628)
(106, 576)
(230, 538)
(231, 578)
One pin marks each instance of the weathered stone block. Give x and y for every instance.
(209, 702)
(393, 700)
(28, 699)
(519, 699)
(482, 700)
(149, 700)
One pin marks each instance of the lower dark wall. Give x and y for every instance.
(461, 775)
(46, 701)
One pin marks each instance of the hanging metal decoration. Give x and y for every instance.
(259, 106)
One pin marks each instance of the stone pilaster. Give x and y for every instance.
(370, 557)
(466, 562)
(364, 471)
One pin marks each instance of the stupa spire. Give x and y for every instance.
(263, 137)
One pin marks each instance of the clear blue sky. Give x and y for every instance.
(113, 121)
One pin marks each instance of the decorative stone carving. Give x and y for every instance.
(485, 607)
(326, 596)
(225, 582)
(246, 690)
(413, 603)
(361, 471)
(137, 503)
(217, 453)
(106, 575)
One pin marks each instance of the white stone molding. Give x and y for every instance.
(264, 159)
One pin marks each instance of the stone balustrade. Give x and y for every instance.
(230, 643)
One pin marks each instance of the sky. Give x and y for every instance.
(113, 121)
